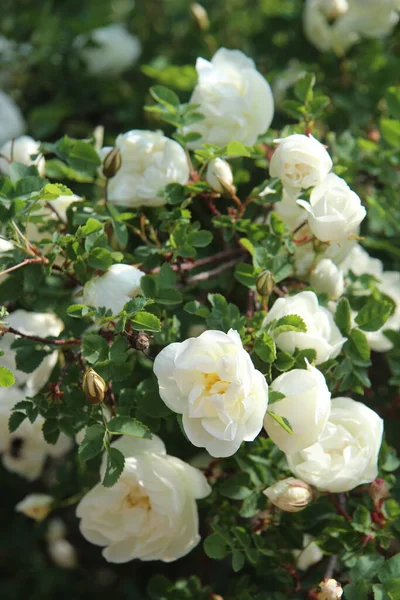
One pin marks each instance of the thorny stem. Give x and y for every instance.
(40, 340)
(213, 272)
(27, 261)
(204, 261)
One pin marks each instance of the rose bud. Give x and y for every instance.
(265, 283)
(94, 387)
(329, 589)
(219, 176)
(378, 491)
(290, 495)
(112, 163)
(36, 506)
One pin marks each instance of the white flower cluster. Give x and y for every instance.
(339, 24)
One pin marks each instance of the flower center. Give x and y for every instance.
(134, 500)
(213, 384)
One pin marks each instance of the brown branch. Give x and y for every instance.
(331, 567)
(40, 340)
(204, 261)
(27, 261)
(213, 272)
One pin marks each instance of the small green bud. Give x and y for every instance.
(112, 163)
(94, 387)
(265, 283)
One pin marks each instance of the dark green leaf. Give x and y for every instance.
(129, 426)
(94, 348)
(374, 314)
(343, 316)
(114, 467)
(92, 443)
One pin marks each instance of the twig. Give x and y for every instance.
(341, 505)
(40, 340)
(204, 261)
(213, 272)
(331, 567)
(27, 261)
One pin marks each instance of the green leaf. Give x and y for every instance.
(374, 314)
(284, 361)
(92, 443)
(200, 239)
(359, 345)
(390, 129)
(94, 348)
(356, 591)
(7, 378)
(265, 347)
(28, 357)
(246, 274)
(282, 421)
(174, 193)
(115, 466)
(195, 308)
(274, 396)
(391, 569)
(100, 258)
(392, 588)
(145, 321)
(238, 559)
(289, 323)
(168, 297)
(91, 226)
(366, 567)
(215, 547)
(236, 149)
(235, 487)
(303, 90)
(129, 426)
(343, 316)
(15, 420)
(164, 96)
(51, 430)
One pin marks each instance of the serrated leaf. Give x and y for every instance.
(391, 569)
(94, 348)
(289, 323)
(129, 426)
(265, 347)
(303, 90)
(145, 321)
(342, 316)
(236, 149)
(15, 420)
(359, 345)
(92, 443)
(374, 314)
(114, 467)
(274, 396)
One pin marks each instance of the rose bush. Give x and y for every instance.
(191, 267)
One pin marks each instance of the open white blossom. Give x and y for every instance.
(322, 333)
(25, 450)
(149, 162)
(334, 210)
(326, 27)
(151, 512)
(309, 556)
(327, 278)
(372, 18)
(235, 100)
(289, 211)
(12, 124)
(21, 150)
(35, 506)
(359, 262)
(112, 290)
(300, 161)
(212, 382)
(346, 453)
(306, 406)
(36, 324)
(109, 50)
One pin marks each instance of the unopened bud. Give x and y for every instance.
(290, 495)
(112, 163)
(36, 506)
(94, 387)
(63, 554)
(329, 589)
(219, 176)
(200, 16)
(265, 283)
(378, 491)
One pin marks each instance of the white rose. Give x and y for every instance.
(346, 453)
(112, 290)
(149, 162)
(334, 210)
(5, 247)
(12, 124)
(112, 50)
(25, 450)
(150, 513)
(300, 161)
(304, 258)
(306, 389)
(35, 506)
(329, 589)
(36, 324)
(212, 382)
(372, 18)
(327, 278)
(325, 34)
(219, 176)
(361, 263)
(309, 556)
(63, 554)
(235, 99)
(289, 211)
(322, 333)
(20, 150)
(389, 285)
